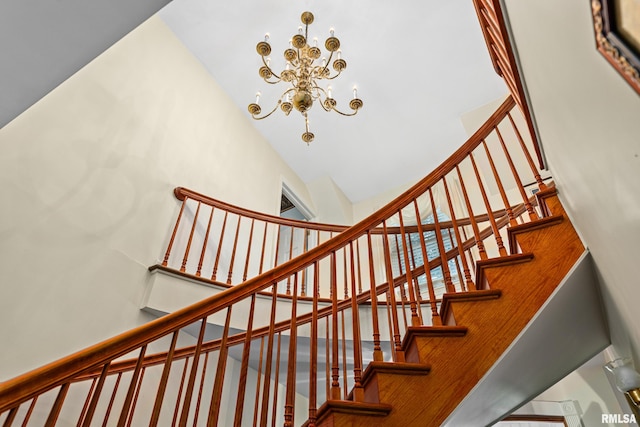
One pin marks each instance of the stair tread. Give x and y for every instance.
(498, 262)
(350, 407)
(478, 295)
(513, 231)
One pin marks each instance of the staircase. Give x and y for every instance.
(395, 320)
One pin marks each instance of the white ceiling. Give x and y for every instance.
(418, 65)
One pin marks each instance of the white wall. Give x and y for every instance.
(87, 177)
(587, 117)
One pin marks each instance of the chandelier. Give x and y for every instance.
(303, 71)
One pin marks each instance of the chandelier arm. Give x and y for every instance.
(344, 114)
(269, 113)
(270, 70)
(331, 78)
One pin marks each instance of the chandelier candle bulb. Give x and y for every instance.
(304, 71)
(355, 92)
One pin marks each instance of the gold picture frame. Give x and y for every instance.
(617, 31)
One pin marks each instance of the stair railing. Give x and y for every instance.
(242, 357)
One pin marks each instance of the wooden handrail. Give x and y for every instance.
(99, 360)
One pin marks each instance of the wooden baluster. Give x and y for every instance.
(186, 405)
(415, 283)
(264, 245)
(267, 369)
(391, 298)
(317, 243)
(216, 394)
(503, 194)
(274, 408)
(246, 261)
(193, 229)
(532, 213)
(256, 405)
(474, 225)
(415, 321)
(135, 397)
(288, 291)
(204, 244)
(179, 397)
(335, 367)
(173, 235)
(111, 400)
(377, 350)
(289, 406)
(492, 219)
(242, 383)
(11, 416)
(525, 150)
(443, 254)
(57, 406)
(469, 285)
(344, 271)
(275, 261)
(403, 296)
(457, 264)
(27, 416)
(313, 349)
(390, 324)
(126, 406)
(233, 251)
(164, 379)
(435, 316)
(203, 376)
(359, 268)
(219, 251)
(91, 408)
(304, 271)
(345, 392)
(85, 407)
(358, 390)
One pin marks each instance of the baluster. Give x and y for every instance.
(27, 416)
(11, 417)
(135, 397)
(358, 390)
(344, 357)
(242, 383)
(525, 150)
(267, 369)
(288, 292)
(377, 350)
(435, 316)
(492, 219)
(196, 413)
(246, 261)
(532, 213)
(474, 224)
(496, 176)
(415, 283)
(327, 359)
(193, 228)
(289, 406)
(256, 405)
(390, 324)
(164, 379)
(304, 271)
(344, 271)
(88, 416)
(444, 264)
(111, 400)
(192, 375)
(179, 397)
(313, 349)
(391, 298)
(233, 251)
(204, 244)
(216, 394)
(264, 245)
(57, 406)
(275, 262)
(173, 235)
(457, 264)
(415, 321)
(335, 368)
(274, 408)
(85, 407)
(359, 268)
(403, 296)
(219, 251)
(459, 242)
(126, 406)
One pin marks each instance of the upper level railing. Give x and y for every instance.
(502, 55)
(249, 357)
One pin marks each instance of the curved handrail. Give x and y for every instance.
(40, 380)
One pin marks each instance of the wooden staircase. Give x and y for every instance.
(443, 363)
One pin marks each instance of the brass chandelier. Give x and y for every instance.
(303, 73)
